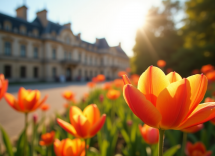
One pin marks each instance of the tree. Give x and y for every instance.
(157, 39)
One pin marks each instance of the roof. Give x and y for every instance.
(102, 44)
(17, 22)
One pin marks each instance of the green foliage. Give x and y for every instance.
(7, 142)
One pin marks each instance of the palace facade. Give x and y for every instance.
(44, 51)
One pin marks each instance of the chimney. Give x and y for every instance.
(79, 36)
(68, 25)
(97, 41)
(21, 12)
(42, 15)
(119, 44)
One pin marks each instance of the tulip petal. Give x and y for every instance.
(39, 104)
(173, 103)
(152, 82)
(58, 147)
(97, 126)
(81, 124)
(67, 127)
(198, 84)
(92, 113)
(74, 110)
(11, 101)
(126, 79)
(22, 93)
(201, 114)
(140, 106)
(173, 77)
(4, 86)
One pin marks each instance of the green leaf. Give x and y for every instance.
(104, 148)
(172, 151)
(7, 142)
(125, 136)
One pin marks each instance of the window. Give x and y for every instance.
(35, 72)
(68, 40)
(23, 72)
(7, 27)
(7, 71)
(7, 48)
(79, 72)
(23, 51)
(79, 56)
(23, 29)
(70, 57)
(35, 52)
(54, 72)
(65, 55)
(54, 54)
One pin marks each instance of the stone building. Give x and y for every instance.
(42, 50)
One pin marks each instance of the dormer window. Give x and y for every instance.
(68, 40)
(7, 25)
(22, 29)
(53, 33)
(35, 32)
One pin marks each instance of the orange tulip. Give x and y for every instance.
(161, 63)
(162, 104)
(3, 86)
(28, 100)
(47, 139)
(211, 75)
(91, 84)
(113, 94)
(208, 99)
(120, 73)
(94, 79)
(195, 71)
(149, 134)
(207, 68)
(66, 105)
(44, 107)
(100, 78)
(118, 83)
(107, 86)
(68, 95)
(68, 147)
(197, 149)
(168, 70)
(83, 124)
(193, 129)
(134, 79)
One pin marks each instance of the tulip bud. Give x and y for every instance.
(35, 118)
(129, 122)
(101, 98)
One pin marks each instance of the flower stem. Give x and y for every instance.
(161, 141)
(183, 143)
(50, 150)
(25, 142)
(33, 137)
(85, 147)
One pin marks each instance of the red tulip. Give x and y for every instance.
(149, 134)
(47, 139)
(207, 68)
(161, 63)
(44, 107)
(197, 149)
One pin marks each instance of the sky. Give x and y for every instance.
(115, 20)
